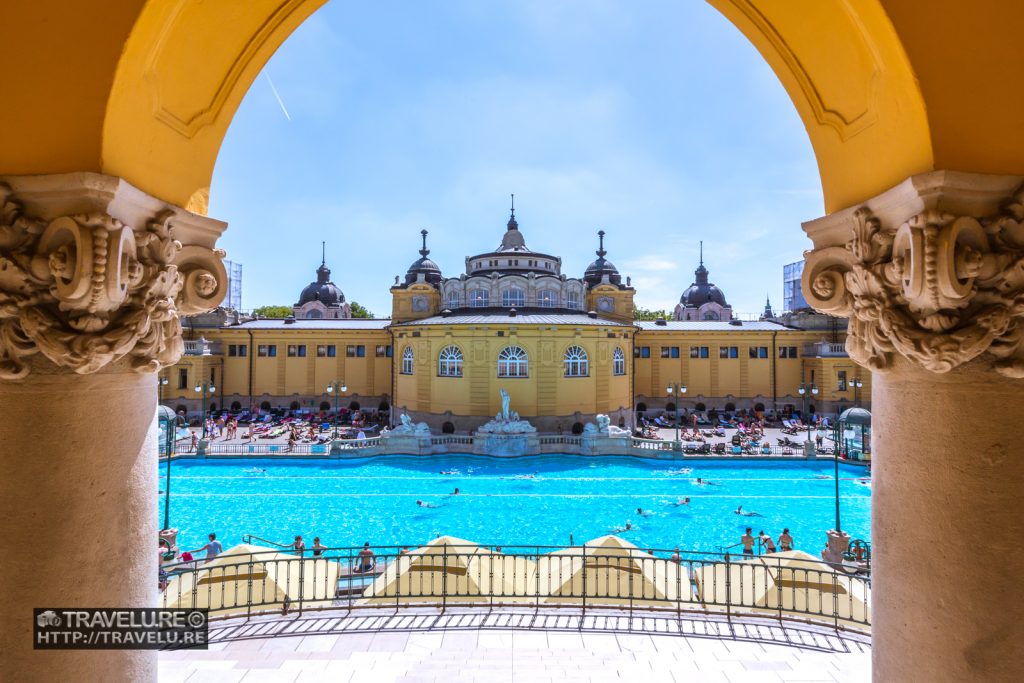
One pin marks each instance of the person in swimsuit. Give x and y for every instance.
(299, 546)
(748, 542)
(766, 541)
(213, 548)
(642, 513)
(785, 540)
(367, 561)
(318, 548)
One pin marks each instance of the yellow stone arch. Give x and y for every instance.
(147, 90)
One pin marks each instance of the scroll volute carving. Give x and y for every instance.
(85, 290)
(939, 289)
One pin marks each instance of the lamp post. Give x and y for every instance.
(337, 389)
(161, 382)
(677, 389)
(205, 388)
(172, 428)
(806, 393)
(857, 384)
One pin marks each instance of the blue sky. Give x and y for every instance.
(655, 121)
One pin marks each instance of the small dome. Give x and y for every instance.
(701, 291)
(431, 271)
(323, 290)
(601, 267)
(856, 416)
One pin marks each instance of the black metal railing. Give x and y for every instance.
(246, 582)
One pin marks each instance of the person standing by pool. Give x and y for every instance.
(748, 542)
(766, 541)
(318, 548)
(785, 540)
(299, 546)
(213, 548)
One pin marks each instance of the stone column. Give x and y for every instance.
(931, 275)
(93, 278)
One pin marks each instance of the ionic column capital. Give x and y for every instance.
(92, 270)
(931, 270)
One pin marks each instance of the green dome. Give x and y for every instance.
(856, 416)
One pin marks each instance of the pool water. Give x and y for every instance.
(520, 501)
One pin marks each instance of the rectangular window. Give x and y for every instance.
(321, 351)
(267, 350)
(704, 352)
(753, 351)
(296, 350)
(380, 351)
(232, 350)
(326, 350)
(694, 352)
(350, 351)
(237, 350)
(787, 352)
(841, 381)
(361, 351)
(762, 352)
(388, 351)
(183, 378)
(664, 352)
(723, 351)
(675, 352)
(731, 351)
(645, 351)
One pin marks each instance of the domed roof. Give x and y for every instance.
(323, 290)
(856, 416)
(601, 267)
(431, 271)
(702, 291)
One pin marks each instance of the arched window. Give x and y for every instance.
(236, 406)
(618, 362)
(453, 300)
(575, 362)
(547, 298)
(710, 315)
(513, 297)
(479, 298)
(512, 362)
(314, 314)
(407, 361)
(573, 300)
(449, 362)
(325, 405)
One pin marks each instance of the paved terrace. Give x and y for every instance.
(420, 645)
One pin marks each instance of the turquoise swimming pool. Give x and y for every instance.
(531, 500)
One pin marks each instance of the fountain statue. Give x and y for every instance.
(507, 421)
(604, 428)
(407, 428)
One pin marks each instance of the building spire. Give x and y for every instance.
(424, 251)
(323, 253)
(512, 224)
(600, 250)
(702, 253)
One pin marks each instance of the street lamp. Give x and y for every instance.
(678, 389)
(806, 396)
(857, 384)
(205, 388)
(337, 389)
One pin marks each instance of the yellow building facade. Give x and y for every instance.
(565, 349)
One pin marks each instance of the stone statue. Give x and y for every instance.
(605, 427)
(408, 428)
(507, 421)
(504, 404)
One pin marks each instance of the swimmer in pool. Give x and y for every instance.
(643, 513)
(449, 472)
(425, 505)
(702, 482)
(681, 501)
(739, 511)
(619, 530)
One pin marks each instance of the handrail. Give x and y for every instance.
(249, 538)
(621, 577)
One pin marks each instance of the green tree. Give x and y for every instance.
(645, 314)
(273, 311)
(360, 311)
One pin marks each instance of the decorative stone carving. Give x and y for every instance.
(85, 289)
(939, 288)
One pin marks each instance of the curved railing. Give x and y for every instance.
(247, 582)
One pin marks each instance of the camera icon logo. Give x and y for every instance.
(47, 618)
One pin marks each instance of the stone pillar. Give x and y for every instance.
(93, 278)
(931, 275)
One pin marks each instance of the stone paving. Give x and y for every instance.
(529, 654)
